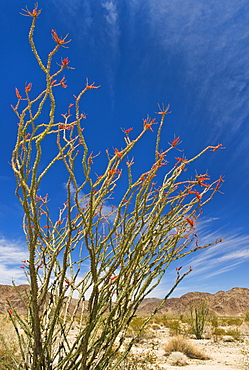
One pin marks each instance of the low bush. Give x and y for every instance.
(218, 333)
(232, 321)
(247, 316)
(180, 344)
(213, 320)
(177, 359)
(174, 327)
(135, 326)
(235, 333)
(161, 320)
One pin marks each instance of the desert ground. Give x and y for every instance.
(224, 353)
(153, 349)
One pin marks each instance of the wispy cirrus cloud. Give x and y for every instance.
(112, 26)
(212, 40)
(12, 252)
(221, 261)
(224, 257)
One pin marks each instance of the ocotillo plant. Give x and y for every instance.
(122, 251)
(198, 317)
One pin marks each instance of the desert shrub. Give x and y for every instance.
(161, 320)
(154, 326)
(184, 319)
(235, 321)
(180, 344)
(135, 326)
(213, 319)
(246, 316)
(234, 333)
(218, 333)
(198, 317)
(232, 321)
(174, 327)
(177, 359)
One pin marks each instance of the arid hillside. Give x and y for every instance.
(234, 302)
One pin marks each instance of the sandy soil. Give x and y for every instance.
(223, 355)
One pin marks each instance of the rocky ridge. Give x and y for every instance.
(234, 302)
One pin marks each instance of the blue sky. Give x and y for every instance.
(188, 53)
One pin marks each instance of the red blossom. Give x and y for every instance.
(117, 152)
(59, 41)
(18, 95)
(65, 127)
(90, 159)
(175, 142)
(198, 195)
(113, 278)
(218, 185)
(128, 130)
(202, 184)
(148, 123)
(34, 12)
(161, 155)
(62, 82)
(179, 160)
(28, 87)
(191, 222)
(216, 147)
(64, 63)
(91, 86)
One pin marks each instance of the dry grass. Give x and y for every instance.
(180, 344)
(8, 343)
(134, 327)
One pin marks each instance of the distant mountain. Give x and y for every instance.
(234, 302)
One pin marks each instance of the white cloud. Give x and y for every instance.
(213, 46)
(112, 15)
(224, 252)
(12, 252)
(223, 260)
